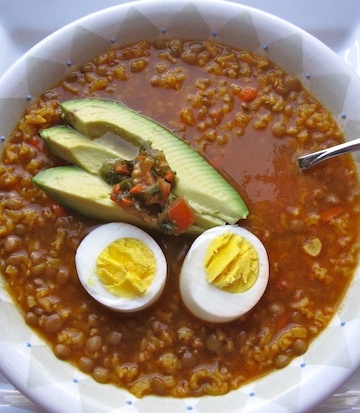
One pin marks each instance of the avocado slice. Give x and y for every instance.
(82, 191)
(76, 148)
(87, 194)
(213, 200)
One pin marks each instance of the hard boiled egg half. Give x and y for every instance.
(121, 266)
(224, 274)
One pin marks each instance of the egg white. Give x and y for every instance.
(88, 252)
(208, 302)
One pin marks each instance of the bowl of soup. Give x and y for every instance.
(248, 93)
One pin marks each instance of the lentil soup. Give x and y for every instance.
(250, 120)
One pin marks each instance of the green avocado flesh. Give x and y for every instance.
(76, 148)
(81, 143)
(84, 192)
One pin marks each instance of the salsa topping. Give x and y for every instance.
(143, 186)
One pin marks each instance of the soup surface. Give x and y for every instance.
(251, 121)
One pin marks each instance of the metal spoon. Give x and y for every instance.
(306, 161)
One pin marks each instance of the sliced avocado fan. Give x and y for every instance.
(213, 200)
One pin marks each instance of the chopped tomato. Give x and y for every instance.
(116, 189)
(331, 213)
(58, 210)
(169, 176)
(281, 322)
(181, 214)
(122, 169)
(126, 202)
(136, 189)
(165, 188)
(248, 94)
(36, 142)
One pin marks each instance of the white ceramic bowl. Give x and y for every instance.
(334, 355)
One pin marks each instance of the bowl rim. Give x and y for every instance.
(312, 380)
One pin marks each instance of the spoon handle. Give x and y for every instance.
(306, 161)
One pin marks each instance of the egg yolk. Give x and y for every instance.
(126, 267)
(231, 263)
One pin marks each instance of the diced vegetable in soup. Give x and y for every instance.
(250, 120)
